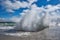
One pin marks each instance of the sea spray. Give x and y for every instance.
(32, 22)
(37, 18)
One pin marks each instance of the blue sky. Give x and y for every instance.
(39, 3)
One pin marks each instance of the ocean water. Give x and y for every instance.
(51, 30)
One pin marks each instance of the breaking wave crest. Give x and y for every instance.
(37, 18)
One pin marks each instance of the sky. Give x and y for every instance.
(7, 13)
(15, 8)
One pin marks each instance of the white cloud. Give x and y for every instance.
(11, 6)
(31, 1)
(52, 8)
(14, 6)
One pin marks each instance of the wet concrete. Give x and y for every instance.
(51, 33)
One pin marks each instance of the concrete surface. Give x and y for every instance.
(52, 33)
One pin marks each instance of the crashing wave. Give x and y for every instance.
(37, 18)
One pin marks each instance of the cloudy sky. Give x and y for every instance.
(14, 9)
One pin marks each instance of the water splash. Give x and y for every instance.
(37, 18)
